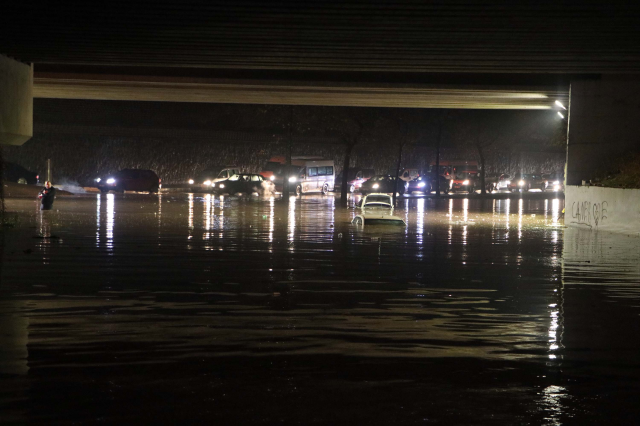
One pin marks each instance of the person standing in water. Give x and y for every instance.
(46, 196)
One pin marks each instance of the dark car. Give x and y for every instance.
(420, 184)
(129, 180)
(383, 184)
(215, 174)
(467, 182)
(16, 173)
(356, 178)
(245, 183)
(280, 173)
(525, 182)
(554, 182)
(491, 181)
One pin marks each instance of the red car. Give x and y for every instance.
(466, 182)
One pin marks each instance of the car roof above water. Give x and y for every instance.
(377, 200)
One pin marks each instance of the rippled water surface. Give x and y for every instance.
(191, 308)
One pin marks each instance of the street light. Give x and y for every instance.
(558, 103)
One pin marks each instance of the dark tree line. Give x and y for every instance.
(179, 140)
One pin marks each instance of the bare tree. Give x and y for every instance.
(479, 132)
(442, 121)
(403, 133)
(350, 136)
(410, 130)
(348, 126)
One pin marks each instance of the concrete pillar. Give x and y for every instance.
(604, 124)
(16, 102)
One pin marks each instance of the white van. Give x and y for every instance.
(315, 175)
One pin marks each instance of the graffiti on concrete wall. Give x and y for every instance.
(589, 213)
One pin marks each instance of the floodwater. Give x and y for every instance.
(199, 309)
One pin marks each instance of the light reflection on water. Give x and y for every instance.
(98, 203)
(520, 212)
(278, 283)
(553, 404)
(159, 211)
(111, 212)
(292, 222)
(221, 218)
(190, 214)
(272, 219)
(465, 219)
(420, 213)
(507, 212)
(207, 214)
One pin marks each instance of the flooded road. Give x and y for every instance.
(192, 308)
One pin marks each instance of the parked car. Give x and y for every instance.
(445, 182)
(526, 181)
(377, 209)
(213, 175)
(491, 181)
(274, 168)
(420, 184)
(554, 182)
(503, 183)
(129, 180)
(408, 175)
(246, 183)
(305, 174)
(454, 167)
(314, 176)
(467, 182)
(356, 178)
(13, 172)
(384, 184)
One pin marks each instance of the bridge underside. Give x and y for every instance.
(127, 88)
(411, 54)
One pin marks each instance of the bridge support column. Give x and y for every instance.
(16, 102)
(604, 124)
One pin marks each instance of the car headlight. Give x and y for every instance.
(190, 181)
(272, 177)
(521, 183)
(97, 180)
(421, 185)
(465, 182)
(220, 186)
(556, 188)
(207, 182)
(111, 181)
(507, 182)
(292, 179)
(557, 182)
(375, 186)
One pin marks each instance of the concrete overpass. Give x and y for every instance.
(409, 54)
(295, 92)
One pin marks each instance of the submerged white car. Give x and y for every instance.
(377, 209)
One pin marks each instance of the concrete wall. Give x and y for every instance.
(604, 124)
(606, 209)
(16, 102)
